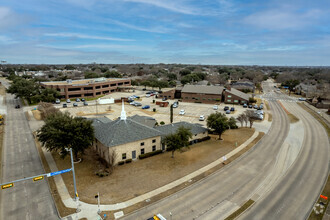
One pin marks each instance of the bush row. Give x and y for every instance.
(142, 156)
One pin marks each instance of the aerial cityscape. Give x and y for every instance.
(164, 110)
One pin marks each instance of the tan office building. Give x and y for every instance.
(88, 87)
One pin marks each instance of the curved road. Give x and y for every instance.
(221, 193)
(294, 195)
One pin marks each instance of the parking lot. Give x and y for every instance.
(112, 111)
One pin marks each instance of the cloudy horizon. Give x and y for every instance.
(219, 32)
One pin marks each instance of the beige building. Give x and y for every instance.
(131, 137)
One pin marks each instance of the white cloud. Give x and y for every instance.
(158, 29)
(279, 19)
(84, 36)
(169, 5)
(6, 40)
(9, 19)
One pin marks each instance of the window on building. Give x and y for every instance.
(236, 101)
(154, 141)
(142, 151)
(123, 156)
(74, 89)
(105, 86)
(120, 84)
(142, 144)
(229, 100)
(97, 87)
(154, 148)
(112, 85)
(88, 88)
(186, 98)
(229, 96)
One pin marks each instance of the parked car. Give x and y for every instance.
(17, 106)
(75, 104)
(175, 105)
(201, 118)
(255, 106)
(147, 95)
(182, 112)
(85, 103)
(144, 89)
(227, 111)
(215, 107)
(260, 112)
(68, 101)
(137, 104)
(261, 106)
(58, 101)
(82, 99)
(259, 116)
(250, 106)
(302, 99)
(226, 108)
(132, 103)
(157, 217)
(245, 106)
(164, 99)
(232, 109)
(65, 105)
(146, 107)
(77, 100)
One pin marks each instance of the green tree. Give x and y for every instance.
(61, 131)
(178, 140)
(112, 74)
(184, 72)
(162, 84)
(171, 76)
(90, 75)
(217, 122)
(24, 88)
(292, 84)
(232, 123)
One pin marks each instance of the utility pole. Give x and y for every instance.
(76, 197)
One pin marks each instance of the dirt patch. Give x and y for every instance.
(129, 180)
(63, 211)
(37, 114)
(267, 105)
(99, 113)
(2, 90)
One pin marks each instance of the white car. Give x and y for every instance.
(147, 95)
(215, 107)
(68, 101)
(182, 112)
(201, 118)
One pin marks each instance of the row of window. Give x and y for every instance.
(124, 155)
(153, 141)
(209, 99)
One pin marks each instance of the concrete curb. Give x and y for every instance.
(88, 208)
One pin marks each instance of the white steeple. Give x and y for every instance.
(123, 113)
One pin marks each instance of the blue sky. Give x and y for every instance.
(221, 32)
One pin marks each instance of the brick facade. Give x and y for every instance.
(201, 98)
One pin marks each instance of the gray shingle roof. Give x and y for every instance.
(203, 89)
(145, 120)
(238, 93)
(123, 131)
(99, 121)
(171, 128)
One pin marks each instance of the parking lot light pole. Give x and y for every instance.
(76, 198)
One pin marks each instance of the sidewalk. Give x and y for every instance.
(89, 211)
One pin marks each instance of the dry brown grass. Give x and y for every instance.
(37, 114)
(128, 181)
(325, 192)
(99, 113)
(267, 105)
(2, 90)
(292, 118)
(180, 187)
(270, 117)
(63, 211)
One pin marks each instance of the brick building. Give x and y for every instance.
(202, 94)
(88, 87)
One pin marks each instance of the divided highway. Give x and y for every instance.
(221, 193)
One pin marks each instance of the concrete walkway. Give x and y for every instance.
(89, 211)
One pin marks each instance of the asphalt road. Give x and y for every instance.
(221, 193)
(27, 199)
(295, 193)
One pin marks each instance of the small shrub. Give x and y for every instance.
(205, 138)
(252, 100)
(128, 161)
(162, 123)
(142, 156)
(153, 101)
(218, 100)
(102, 173)
(154, 109)
(121, 163)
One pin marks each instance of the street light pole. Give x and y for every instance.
(74, 176)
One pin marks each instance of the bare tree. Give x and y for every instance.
(112, 159)
(251, 117)
(240, 118)
(245, 119)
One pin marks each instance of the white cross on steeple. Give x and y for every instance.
(123, 113)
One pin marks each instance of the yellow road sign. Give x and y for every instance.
(38, 178)
(9, 185)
